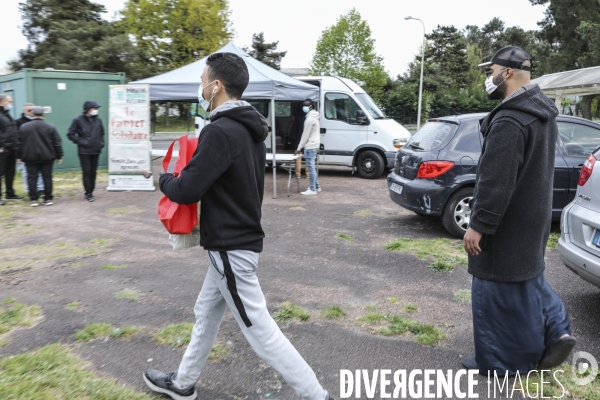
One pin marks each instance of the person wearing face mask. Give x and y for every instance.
(519, 322)
(310, 142)
(26, 117)
(227, 172)
(9, 147)
(87, 132)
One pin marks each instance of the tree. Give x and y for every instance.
(173, 33)
(265, 52)
(448, 50)
(346, 49)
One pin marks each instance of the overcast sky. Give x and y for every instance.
(297, 25)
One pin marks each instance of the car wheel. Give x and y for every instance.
(370, 165)
(457, 213)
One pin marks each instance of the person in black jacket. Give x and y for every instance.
(40, 147)
(519, 322)
(87, 132)
(9, 148)
(26, 117)
(227, 174)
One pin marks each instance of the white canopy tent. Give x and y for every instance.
(266, 83)
(579, 82)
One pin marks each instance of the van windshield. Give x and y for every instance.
(370, 105)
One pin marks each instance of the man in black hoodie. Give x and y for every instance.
(519, 322)
(41, 145)
(227, 174)
(9, 147)
(87, 132)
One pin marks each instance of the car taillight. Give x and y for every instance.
(433, 169)
(586, 171)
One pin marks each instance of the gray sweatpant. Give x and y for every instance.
(231, 282)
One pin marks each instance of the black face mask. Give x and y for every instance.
(500, 92)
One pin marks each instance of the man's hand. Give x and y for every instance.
(298, 152)
(59, 161)
(471, 241)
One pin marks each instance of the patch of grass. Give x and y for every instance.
(333, 312)
(74, 306)
(128, 294)
(371, 308)
(14, 314)
(345, 237)
(554, 390)
(463, 296)
(103, 330)
(125, 210)
(362, 213)
(297, 209)
(393, 300)
(553, 240)
(54, 372)
(443, 254)
(103, 242)
(69, 183)
(409, 308)
(290, 311)
(112, 267)
(175, 335)
(370, 319)
(30, 255)
(426, 335)
(218, 351)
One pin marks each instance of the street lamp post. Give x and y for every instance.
(421, 80)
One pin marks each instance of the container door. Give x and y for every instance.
(340, 132)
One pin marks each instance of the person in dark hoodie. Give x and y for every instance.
(9, 148)
(41, 145)
(87, 132)
(26, 117)
(227, 174)
(519, 322)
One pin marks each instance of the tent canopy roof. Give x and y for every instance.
(579, 82)
(182, 84)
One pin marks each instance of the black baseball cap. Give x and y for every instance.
(510, 56)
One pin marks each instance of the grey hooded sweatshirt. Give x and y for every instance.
(512, 203)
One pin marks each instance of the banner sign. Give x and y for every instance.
(129, 146)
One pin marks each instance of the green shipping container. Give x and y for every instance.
(63, 94)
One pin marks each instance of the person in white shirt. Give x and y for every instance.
(310, 142)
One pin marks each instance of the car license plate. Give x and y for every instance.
(596, 240)
(396, 188)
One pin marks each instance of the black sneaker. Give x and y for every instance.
(89, 197)
(15, 197)
(34, 203)
(48, 202)
(162, 382)
(1, 202)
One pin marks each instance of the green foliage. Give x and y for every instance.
(344, 236)
(409, 308)
(553, 240)
(265, 52)
(54, 372)
(290, 311)
(346, 49)
(333, 312)
(14, 314)
(426, 335)
(93, 331)
(173, 33)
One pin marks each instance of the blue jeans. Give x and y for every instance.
(40, 181)
(310, 155)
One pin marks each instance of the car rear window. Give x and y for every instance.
(434, 135)
(579, 140)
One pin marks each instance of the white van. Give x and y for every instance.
(354, 131)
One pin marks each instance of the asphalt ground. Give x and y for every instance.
(303, 262)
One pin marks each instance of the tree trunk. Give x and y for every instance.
(168, 106)
(586, 107)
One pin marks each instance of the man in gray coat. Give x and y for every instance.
(519, 322)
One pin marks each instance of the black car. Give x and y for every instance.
(434, 173)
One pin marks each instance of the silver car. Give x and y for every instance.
(579, 243)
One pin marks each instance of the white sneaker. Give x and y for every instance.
(309, 192)
(318, 190)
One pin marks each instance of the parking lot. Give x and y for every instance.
(110, 262)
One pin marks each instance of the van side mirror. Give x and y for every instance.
(361, 118)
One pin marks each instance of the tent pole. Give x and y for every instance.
(273, 147)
